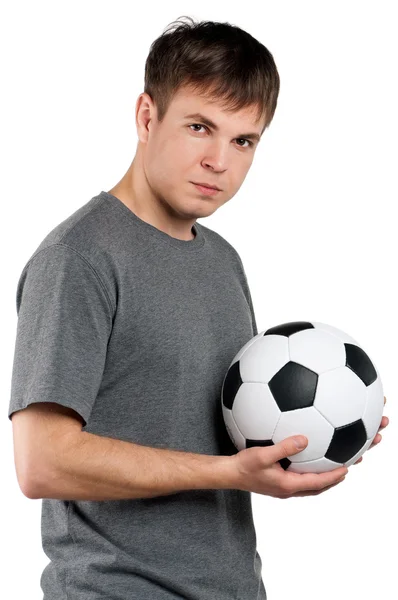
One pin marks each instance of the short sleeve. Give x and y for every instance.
(64, 324)
(255, 330)
(250, 301)
(248, 295)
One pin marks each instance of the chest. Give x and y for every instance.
(182, 313)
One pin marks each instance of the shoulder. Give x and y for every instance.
(76, 248)
(83, 230)
(220, 243)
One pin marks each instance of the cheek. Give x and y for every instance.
(176, 153)
(157, 169)
(189, 154)
(159, 156)
(169, 164)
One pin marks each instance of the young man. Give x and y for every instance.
(129, 315)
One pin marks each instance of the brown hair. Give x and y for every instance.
(218, 60)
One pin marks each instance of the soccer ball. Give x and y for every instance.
(304, 378)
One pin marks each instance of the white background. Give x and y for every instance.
(314, 222)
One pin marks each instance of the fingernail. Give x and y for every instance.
(299, 442)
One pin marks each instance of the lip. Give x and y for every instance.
(206, 191)
(208, 185)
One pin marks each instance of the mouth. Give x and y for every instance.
(206, 190)
(212, 187)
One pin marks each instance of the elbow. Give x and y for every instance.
(30, 488)
(34, 482)
(24, 479)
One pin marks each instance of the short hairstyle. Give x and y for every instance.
(218, 60)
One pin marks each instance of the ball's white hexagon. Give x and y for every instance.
(320, 465)
(245, 347)
(374, 408)
(340, 396)
(264, 358)
(309, 422)
(255, 411)
(317, 350)
(342, 335)
(232, 428)
(359, 454)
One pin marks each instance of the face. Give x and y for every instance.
(181, 150)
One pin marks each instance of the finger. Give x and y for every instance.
(385, 399)
(317, 492)
(384, 422)
(376, 441)
(284, 448)
(358, 461)
(299, 482)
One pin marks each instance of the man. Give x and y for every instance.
(129, 315)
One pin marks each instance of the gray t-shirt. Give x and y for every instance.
(135, 330)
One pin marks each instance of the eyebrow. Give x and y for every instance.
(210, 123)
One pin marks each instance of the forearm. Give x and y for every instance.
(103, 468)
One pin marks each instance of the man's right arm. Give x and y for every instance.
(85, 466)
(94, 467)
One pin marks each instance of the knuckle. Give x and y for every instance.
(282, 491)
(286, 488)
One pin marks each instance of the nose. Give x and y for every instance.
(216, 158)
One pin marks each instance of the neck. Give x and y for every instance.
(134, 191)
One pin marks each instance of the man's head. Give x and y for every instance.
(223, 73)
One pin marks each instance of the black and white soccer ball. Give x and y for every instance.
(304, 378)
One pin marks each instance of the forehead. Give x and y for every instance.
(187, 101)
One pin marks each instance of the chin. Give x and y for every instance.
(195, 210)
(204, 211)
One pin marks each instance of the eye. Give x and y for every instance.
(244, 139)
(197, 125)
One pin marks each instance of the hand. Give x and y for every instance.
(384, 422)
(257, 469)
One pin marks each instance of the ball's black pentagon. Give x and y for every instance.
(231, 384)
(284, 462)
(250, 443)
(293, 387)
(359, 362)
(346, 442)
(287, 329)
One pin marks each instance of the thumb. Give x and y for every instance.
(287, 447)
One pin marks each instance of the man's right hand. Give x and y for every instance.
(257, 470)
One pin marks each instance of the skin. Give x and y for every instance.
(171, 154)
(177, 151)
